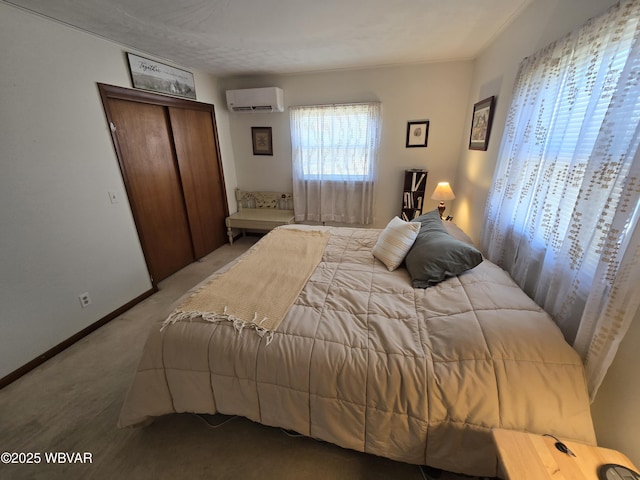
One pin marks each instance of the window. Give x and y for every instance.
(336, 142)
(335, 150)
(562, 212)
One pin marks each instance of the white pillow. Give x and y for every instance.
(395, 241)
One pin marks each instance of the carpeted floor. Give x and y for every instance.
(70, 404)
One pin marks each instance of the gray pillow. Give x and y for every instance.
(436, 255)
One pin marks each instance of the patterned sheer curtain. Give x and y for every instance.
(335, 151)
(562, 212)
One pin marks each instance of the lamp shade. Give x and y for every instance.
(443, 192)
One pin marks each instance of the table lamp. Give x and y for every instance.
(442, 192)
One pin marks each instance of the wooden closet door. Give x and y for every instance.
(202, 183)
(153, 185)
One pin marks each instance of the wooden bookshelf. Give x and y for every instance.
(415, 181)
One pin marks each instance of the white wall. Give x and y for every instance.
(435, 92)
(60, 235)
(615, 411)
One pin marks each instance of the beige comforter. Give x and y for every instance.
(367, 362)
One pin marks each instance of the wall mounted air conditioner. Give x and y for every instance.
(256, 100)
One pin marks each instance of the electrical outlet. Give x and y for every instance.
(85, 299)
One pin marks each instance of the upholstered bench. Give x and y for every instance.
(260, 211)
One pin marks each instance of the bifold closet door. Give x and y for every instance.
(202, 185)
(153, 184)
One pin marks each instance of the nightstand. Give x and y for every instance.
(527, 456)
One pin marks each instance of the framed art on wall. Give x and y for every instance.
(481, 124)
(262, 140)
(157, 77)
(417, 133)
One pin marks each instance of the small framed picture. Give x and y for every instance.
(262, 140)
(481, 124)
(417, 133)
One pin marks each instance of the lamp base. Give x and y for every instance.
(441, 209)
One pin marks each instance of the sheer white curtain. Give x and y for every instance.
(335, 151)
(562, 213)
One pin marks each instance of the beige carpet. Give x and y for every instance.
(71, 404)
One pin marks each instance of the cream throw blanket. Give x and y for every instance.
(258, 290)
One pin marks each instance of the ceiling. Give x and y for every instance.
(252, 37)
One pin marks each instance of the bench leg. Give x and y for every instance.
(230, 235)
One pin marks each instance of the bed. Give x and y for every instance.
(364, 360)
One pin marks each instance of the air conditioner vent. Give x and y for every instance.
(256, 100)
